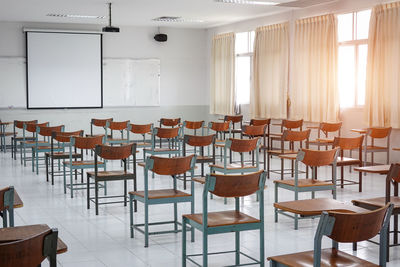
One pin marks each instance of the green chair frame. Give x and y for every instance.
(163, 166)
(233, 187)
(15, 138)
(7, 206)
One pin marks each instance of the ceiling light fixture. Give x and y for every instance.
(75, 16)
(248, 2)
(176, 19)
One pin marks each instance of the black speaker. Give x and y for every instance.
(161, 37)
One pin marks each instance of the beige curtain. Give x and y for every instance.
(314, 93)
(382, 103)
(222, 95)
(270, 68)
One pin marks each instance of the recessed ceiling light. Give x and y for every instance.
(75, 16)
(248, 2)
(176, 19)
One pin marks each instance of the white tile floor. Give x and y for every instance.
(104, 240)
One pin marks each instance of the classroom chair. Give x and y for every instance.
(234, 119)
(312, 159)
(258, 131)
(30, 251)
(259, 122)
(16, 138)
(98, 123)
(170, 122)
(60, 140)
(28, 143)
(172, 136)
(193, 126)
(325, 128)
(228, 221)
(375, 134)
(142, 129)
(117, 126)
(81, 143)
(349, 144)
(3, 135)
(293, 138)
(219, 129)
(46, 133)
(342, 228)
(107, 152)
(165, 167)
(7, 206)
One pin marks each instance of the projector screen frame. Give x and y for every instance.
(26, 31)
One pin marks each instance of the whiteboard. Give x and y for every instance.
(131, 82)
(12, 82)
(126, 82)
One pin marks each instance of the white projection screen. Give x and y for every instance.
(64, 70)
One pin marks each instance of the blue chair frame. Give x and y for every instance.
(7, 210)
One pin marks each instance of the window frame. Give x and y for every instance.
(249, 54)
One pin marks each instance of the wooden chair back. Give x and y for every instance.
(356, 227)
(117, 125)
(219, 126)
(330, 127)
(317, 158)
(198, 140)
(141, 128)
(392, 178)
(65, 137)
(170, 166)
(20, 124)
(379, 132)
(115, 152)
(292, 124)
(255, 130)
(193, 125)
(258, 122)
(348, 143)
(47, 131)
(89, 142)
(170, 122)
(296, 136)
(166, 132)
(233, 118)
(31, 127)
(243, 145)
(31, 251)
(238, 185)
(100, 122)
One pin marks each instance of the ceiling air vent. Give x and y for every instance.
(305, 3)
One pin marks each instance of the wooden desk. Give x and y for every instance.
(314, 207)
(21, 232)
(360, 131)
(380, 169)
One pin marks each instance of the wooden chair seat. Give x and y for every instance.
(140, 144)
(34, 142)
(43, 148)
(280, 152)
(342, 161)
(200, 158)
(304, 182)
(201, 180)
(142, 164)
(117, 140)
(288, 156)
(7, 133)
(376, 148)
(161, 193)
(62, 155)
(161, 149)
(82, 162)
(330, 257)
(220, 145)
(378, 202)
(103, 174)
(223, 218)
(322, 141)
(232, 166)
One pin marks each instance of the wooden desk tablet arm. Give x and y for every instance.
(50, 247)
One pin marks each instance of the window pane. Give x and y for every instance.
(345, 27)
(252, 35)
(346, 76)
(243, 80)
(242, 43)
(362, 73)
(363, 24)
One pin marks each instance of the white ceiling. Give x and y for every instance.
(135, 12)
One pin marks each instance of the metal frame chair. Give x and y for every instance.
(343, 228)
(232, 186)
(120, 126)
(15, 139)
(171, 134)
(234, 119)
(163, 166)
(30, 143)
(142, 129)
(107, 152)
(313, 159)
(77, 142)
(7, 206)
(325, 128)
(3, 135)
(170, 122)
(261, 131)
(377, 133)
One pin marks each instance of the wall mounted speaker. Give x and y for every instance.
(161, 37)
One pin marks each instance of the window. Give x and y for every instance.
(244, 64)
(353, 47)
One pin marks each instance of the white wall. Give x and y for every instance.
(351, 117)
(183, 73)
